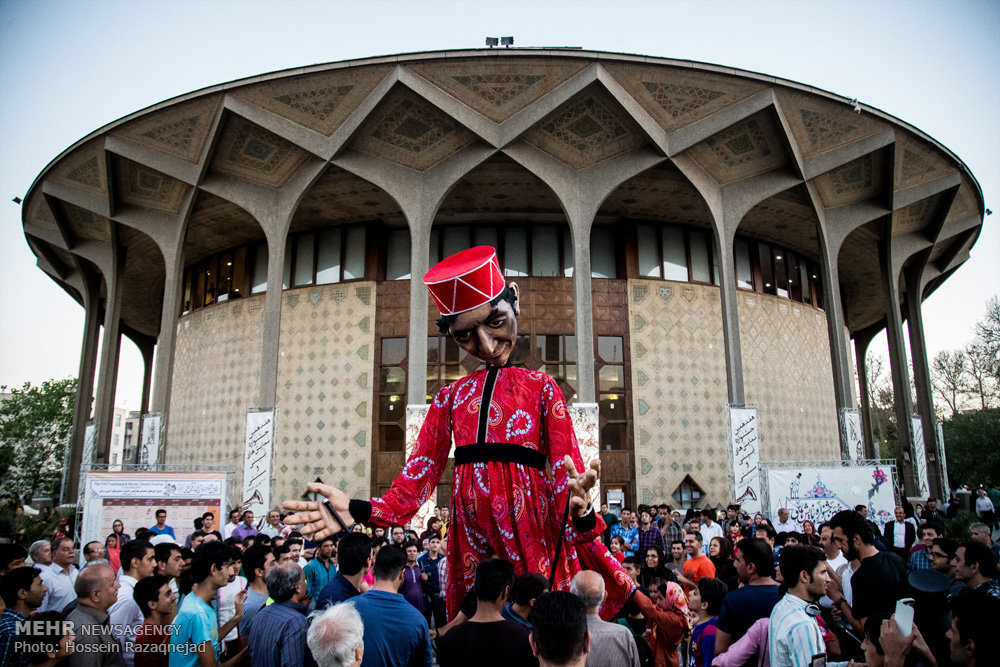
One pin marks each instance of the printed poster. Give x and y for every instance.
(818, 493)
(853, 434)
(744, 430)
(149, 441)
(257, 463)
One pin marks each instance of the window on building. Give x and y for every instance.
(523, 250)
(769, 269)
(612, 390)
(391, 396)
(672, 252)
(603, 260)
(688, 493)
(325, 257)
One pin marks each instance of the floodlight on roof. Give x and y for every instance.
(507, 41)
(492, 41)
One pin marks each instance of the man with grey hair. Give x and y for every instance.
(336, 636)
(278, 632)
(610, 643)
(40, 553)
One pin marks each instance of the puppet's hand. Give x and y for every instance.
(312, 517)
(580, 485)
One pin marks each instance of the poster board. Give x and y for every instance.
(744, 438)
(134, 498)
(817, 493)
(920, 456)
(149, 441)
(853, 434)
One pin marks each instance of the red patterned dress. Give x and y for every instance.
(504, 502)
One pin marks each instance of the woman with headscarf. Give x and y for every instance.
(118, 528)
(113, 547)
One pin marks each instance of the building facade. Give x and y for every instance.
(686, 236)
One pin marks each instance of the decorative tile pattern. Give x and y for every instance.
(495, 88)
(819, 124)
(786, 220)
(500, 185)
(339, 196)
(408, 130)
(180, 130)
(787, 375)
(320, 102)
(216, 380)
(661, 193)
(325, 385)
(855, 181)
(140, 185)
(916, 162)
(248, 151)
(216, 225)
(750, 147)
(678, 389)
(678, 97)
(914, 217)
(84, 169)
(86, 225)
(587, 129)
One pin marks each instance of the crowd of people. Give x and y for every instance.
(713, 589)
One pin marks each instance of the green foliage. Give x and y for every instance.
(34, 425)
(972, 445)
(957, 528)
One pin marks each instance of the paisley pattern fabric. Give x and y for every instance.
(503, 508)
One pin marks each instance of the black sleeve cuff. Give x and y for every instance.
(587, 522)
(361, 511)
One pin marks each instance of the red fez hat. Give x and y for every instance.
(466, 280)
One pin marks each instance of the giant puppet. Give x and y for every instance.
(516, 455)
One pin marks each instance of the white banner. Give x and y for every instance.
(943, 462)
(850, 421)
(920, 454)
(149, 441)
(257, 463)
(134, 497)
(744, 434)
(818, 493)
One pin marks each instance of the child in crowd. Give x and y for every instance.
(617, 548)
(705, 602)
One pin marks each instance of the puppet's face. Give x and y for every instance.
(488, 332)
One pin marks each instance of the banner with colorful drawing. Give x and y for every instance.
(817, 493)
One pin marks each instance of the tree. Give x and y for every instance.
(34, 425)
(970, 441)
(948, 371)
(881, 409)
(982, 370)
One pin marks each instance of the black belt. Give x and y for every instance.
(499, 451)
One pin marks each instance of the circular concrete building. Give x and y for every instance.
(687, 237)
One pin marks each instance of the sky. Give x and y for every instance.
(68, 68)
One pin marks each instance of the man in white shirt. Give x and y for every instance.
(709, 528)
(274, 525)
(784, 524)
(234, 521)
(900, 535)
(138, 562)
(60, 576)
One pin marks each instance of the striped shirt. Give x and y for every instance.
(794, 638)
(278, 636)
(8, 638)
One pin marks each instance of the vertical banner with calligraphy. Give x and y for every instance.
(257, 463)
(744, 434)
(942, 461)
(920, 456)
(852, 434)
(149, 441)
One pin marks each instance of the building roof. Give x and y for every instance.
(328, 141)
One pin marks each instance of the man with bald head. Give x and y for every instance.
(610, 643)
(96, 590)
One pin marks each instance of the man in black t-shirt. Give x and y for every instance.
(881, 578)
(754, 600)
(487, 638)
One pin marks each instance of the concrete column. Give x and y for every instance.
(839, 354)
(861, 341)
(271, 326)
(898, 365)
(583, 310)
(104, 410)
(147, 348)
(85, 384)
(922, 379)
(730, 317)
(163, 369)
(416, 372)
